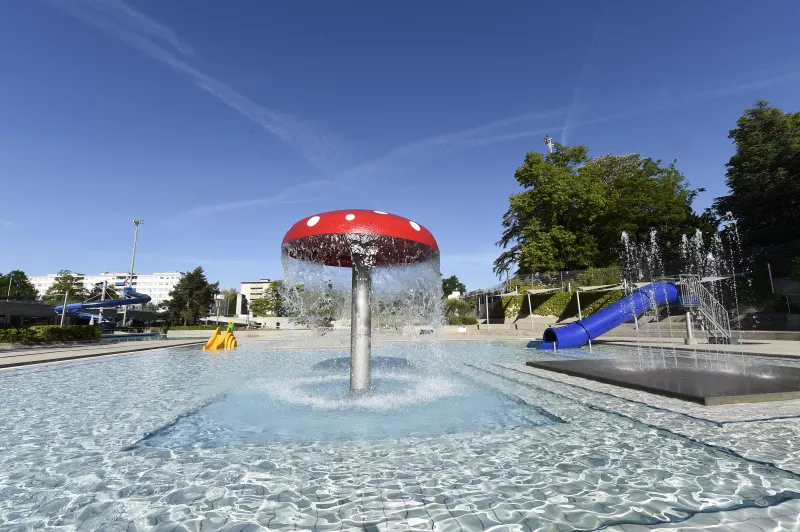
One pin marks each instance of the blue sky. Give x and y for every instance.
(222, 123)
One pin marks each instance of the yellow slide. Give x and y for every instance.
(221, 341)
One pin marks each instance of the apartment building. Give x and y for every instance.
(248, 291)
(156, 285)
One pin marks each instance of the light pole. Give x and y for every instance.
(64, 308)
(136, 223)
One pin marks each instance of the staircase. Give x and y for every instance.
(706, 309)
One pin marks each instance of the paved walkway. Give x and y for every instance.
(23, 355)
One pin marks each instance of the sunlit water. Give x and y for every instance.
(180, 439)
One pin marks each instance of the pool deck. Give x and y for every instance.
(23, 355)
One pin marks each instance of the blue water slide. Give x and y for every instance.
(640, 301)
(129, 297)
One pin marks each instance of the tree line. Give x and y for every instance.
(574, 207)
(192, 298)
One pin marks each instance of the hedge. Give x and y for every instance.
(462, 320)
(51, 333)
(197, 327)
(561, 304)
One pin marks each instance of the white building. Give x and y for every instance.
(156, 285)
(249, 291)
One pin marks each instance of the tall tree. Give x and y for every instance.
(230, 300)
(16, 284)
(764, 176)
(575, 207)
(452, 284)
(96, 292)
(67, 282)
(271, 303)
(192, 297)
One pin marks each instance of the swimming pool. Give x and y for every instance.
(180, 439)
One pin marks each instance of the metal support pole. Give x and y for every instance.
(64, 308)
(689, 340)
(102, 298)
(130, 274)
(487, 312)
(8, 294)
(788, 306)
(771, 284)
(578, 295)
(530, 311)
(361, 328)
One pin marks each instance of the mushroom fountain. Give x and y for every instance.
(361, 240)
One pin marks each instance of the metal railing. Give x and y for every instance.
(560, 279)
(695, 295)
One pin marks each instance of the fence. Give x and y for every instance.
(561, 279)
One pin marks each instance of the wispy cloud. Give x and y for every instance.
(125, 23)
(136, 21)
(466, 138)
(301, 193)
(9, 223)
(595, 112)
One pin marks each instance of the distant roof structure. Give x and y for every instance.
(543, 290)
(599, 287)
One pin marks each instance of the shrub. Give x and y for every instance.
(599, 276)
(796, 266)
(459, 312)
(457, 306)
(197, 327)
(51, 333)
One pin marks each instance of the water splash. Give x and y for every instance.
(716, 258)
(404, 298)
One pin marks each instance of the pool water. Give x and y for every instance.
(262, 438)
(318, 409)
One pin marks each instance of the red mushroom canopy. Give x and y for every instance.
(330, 238)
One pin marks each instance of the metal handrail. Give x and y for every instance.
(694, 294)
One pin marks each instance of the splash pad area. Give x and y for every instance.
(682, 378)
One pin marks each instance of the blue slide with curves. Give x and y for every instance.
(628, 308)
(129, 297)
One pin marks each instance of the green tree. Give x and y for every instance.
(452, 284)
(230, 300)
(574, 209)
(271, 303)
(764, 176)
(66, 281)
(16, 284)
(192, 297)
(97, 289)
